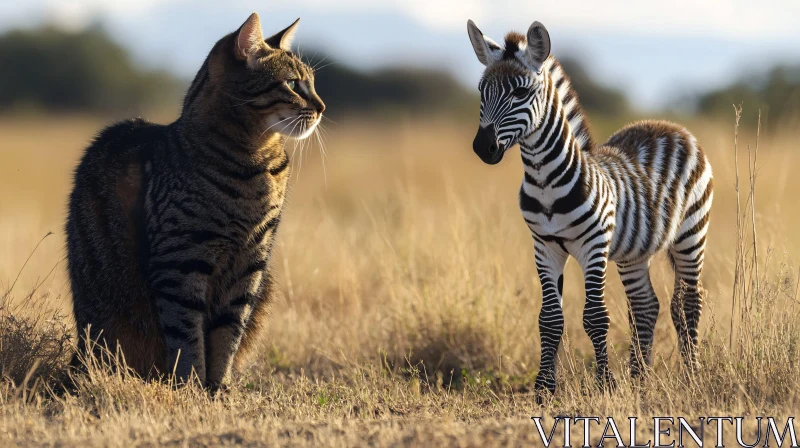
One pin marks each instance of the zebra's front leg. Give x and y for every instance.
(550, 263)
(595, 314)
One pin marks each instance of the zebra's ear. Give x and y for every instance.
(538, 48)
(283, 39)
(487, 50)
(249, 37)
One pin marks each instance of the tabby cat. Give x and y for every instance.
(170, 228)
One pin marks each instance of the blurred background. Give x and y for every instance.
(129, 56)
(401, 241)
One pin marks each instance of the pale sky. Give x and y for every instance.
(655, 51)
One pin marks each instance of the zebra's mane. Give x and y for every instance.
(510, 64)
(572, 106)
(514, 43)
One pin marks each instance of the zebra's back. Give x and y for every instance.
(663, 184)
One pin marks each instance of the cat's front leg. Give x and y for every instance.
(226, 327)
(180, 298)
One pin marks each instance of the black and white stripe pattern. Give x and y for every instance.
(648, 189)
(513, 115)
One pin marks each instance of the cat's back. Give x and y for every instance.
(105, 207)
(109, 179)
(106, 248)
(116, 147)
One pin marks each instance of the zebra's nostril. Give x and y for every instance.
(486, 145)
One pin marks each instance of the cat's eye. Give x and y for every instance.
(292, 84)
(520, 92)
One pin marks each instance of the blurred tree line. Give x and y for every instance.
(415, 89)
(776, 94)
(60, 71)
(53, 70)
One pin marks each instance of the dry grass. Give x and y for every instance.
(409, 304)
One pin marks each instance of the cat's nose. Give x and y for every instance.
(320, 106)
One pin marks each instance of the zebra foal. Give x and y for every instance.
(647, 189)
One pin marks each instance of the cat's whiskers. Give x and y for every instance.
(316, 69)
(267, 129)
(313, 60)
(324, 155)
(301, 142)
(294, 124)
(318, 63)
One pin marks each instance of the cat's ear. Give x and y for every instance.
(249, 38)
(283, 39)
(487, 50)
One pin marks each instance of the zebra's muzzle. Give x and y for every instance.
(486, 146)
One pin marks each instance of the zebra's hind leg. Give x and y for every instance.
(550, 262)
(687, 254)
(687, 301)
(642, 313)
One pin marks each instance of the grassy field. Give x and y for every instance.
(409, 304)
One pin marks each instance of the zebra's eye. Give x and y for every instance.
(520, 92)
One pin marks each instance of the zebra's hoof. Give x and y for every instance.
(543, 395)
(606, 381)
(638, 369)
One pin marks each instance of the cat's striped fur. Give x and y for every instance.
(647, 189)
(170, 228)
